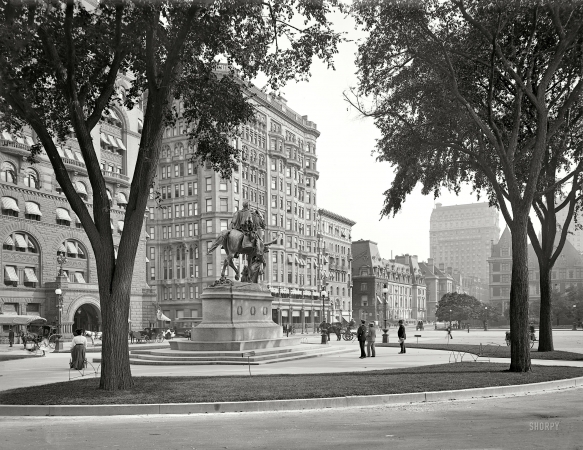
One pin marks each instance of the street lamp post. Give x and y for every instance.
(574, 317)
(486, 319)
(61, 261)
(59, 294)
(323, 294)
(385, 329)
(450, 317)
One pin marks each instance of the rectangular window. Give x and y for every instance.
(224, 204)
(152, 254)
(176, 190)
(190, 230)
(363, 287)
(152, 273)
(224, 224)
(235, 185)
(209, 226)
(195, 209)
(209, 204)
(274, 183)
(288, 189)
(208, 184)
(222, 185)
(209, 270)
(152, 233)
(190, 210)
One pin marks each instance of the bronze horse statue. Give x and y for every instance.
(232, 242)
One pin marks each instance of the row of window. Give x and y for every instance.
(15, 276)
(298, 192)
(8, 174)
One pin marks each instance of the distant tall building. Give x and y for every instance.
(277, 175)
(460, 237)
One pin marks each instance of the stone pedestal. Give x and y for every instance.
(236, 317)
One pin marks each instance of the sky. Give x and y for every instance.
(351, 181)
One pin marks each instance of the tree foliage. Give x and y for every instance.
(474, 92)
(59, 63)
(458, 307)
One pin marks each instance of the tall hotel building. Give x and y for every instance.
(277, 175)
(460, 237)
(37, 225)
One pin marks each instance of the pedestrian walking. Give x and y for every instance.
(402, 335)
(449, 336)
(11, 337)
(370, 340)
(361, 335)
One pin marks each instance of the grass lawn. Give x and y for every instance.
(492, 351)
(276, 387)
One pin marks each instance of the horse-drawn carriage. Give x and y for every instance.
(35, 334)
(342, 331)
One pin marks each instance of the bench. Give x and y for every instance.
(418, 336)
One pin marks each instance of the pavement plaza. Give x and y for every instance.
(53, 367)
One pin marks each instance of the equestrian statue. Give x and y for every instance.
(243, 238)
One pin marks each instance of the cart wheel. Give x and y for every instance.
(345, 337)
(52, 342)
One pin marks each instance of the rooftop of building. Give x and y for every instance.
(326, 213)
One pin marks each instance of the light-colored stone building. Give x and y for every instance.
(37, 224)
(335, 261)
(460, 237)
(277, 175)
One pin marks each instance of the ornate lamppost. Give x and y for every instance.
(450, 317)
(61, 261)
(574, 317)
(385, 329)
(486, 318)
(323, 294)
(59, 294)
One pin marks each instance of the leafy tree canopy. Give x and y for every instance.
(458, 307)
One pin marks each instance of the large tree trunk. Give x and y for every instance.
(520, 348)
(545, 334)
(115, 363)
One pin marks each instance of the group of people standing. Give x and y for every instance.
(368, 336)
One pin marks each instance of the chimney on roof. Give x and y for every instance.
(430, 265)
(441, 267)
(450, 270)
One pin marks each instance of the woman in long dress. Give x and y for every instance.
(78, 347)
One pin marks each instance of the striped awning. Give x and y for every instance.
(62, 249)
(147, 235)
(79, 157)
(32, 208)
(290, 259)
(10, 274)
(112, 227)
(121, 199)
(108, 195)
(20, 140)
(29, 275)
(20, 241)
(120, 225)
(104, 139)
(60, 151)
(111, 140)
(120, 143)
(9, 241)
(71, 248)
(63, 214)
(80, 251)
(79, 277)
(302, 262)
(113, 115)
(10, 203)
(147, 259)
(80, 188)
(29, 140)
(297, 259)
(69, 153)
(6, 135)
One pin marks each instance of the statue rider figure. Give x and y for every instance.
(243, 221)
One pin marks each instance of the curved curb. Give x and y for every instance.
(284, 405)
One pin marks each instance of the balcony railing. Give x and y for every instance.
(115, 175)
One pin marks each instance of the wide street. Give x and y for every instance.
(522, 422)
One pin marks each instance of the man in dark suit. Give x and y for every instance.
(11, 337)
(402, 335)
(361, 335)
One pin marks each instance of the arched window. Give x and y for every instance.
(122, 199)
(8, 172)
(31, 179)
(81, 189)
(17, 273)
(72, 249)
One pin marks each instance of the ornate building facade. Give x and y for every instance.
(335, 263)
(277, 175)
(406, 295)
(37, 225)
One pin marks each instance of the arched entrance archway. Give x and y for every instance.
(87, 318)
